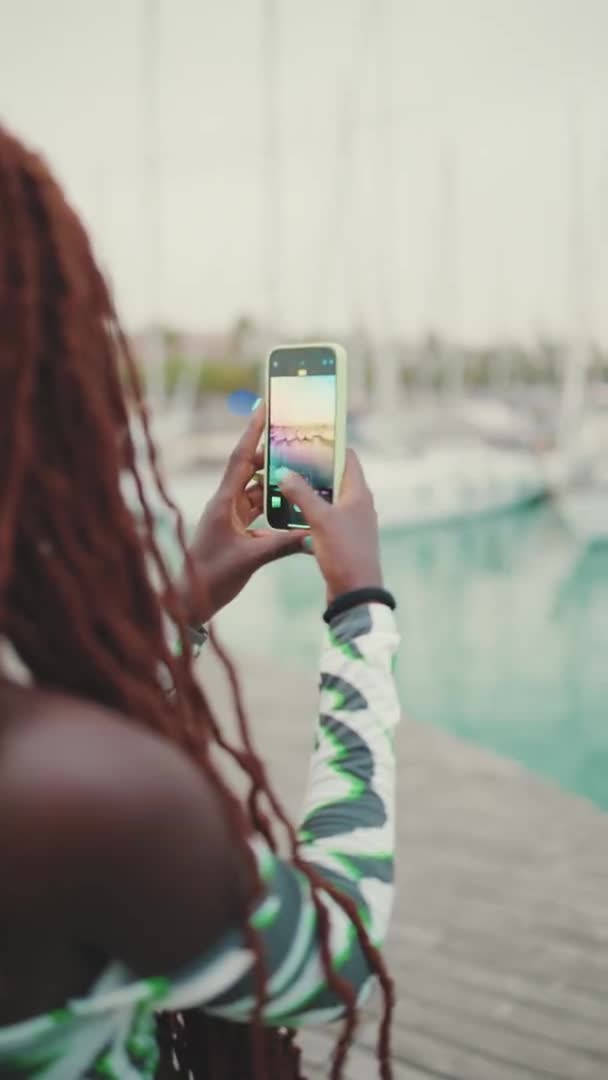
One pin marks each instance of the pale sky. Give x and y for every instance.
(467, 229)
(302, 402)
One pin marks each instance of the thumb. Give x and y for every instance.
(299, 491)
(271, 545)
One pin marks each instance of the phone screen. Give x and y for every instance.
(302, 426)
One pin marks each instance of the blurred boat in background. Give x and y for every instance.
(433, 487)
(584, 511)
(449, 483)
(417, 478)
(583, 503)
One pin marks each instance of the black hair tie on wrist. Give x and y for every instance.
(370, 595)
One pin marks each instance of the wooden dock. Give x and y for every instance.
(499, 941)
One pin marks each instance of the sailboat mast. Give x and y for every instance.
(387, 374)
(340, 240)
(271, 185)
(151, 194)
(575, 376)
(448, 273)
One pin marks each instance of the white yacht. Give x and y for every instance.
(427, 471)
(429, 486)
(446, 483)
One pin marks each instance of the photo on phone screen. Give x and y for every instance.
(301, 426)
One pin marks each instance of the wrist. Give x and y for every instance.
(348, 583)
(372, 594)
(194, 596)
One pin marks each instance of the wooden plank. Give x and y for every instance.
(361, 1064)
(492, 948)
(562, 1030)
(440, 1057)
(470, 904)
(424, 972)
(492, 1037)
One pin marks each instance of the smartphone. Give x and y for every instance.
(305, 425)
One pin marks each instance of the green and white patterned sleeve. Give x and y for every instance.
(346, 833)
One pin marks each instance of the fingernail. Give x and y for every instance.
(282, 474)
(256, 404)
(307, 543)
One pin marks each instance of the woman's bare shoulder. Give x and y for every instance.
(53, 740)
(117, 828)
(60, 754)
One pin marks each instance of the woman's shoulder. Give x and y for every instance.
(73, 772)
(97, 812)
(58, 748)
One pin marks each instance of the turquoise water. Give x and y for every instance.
(505, 635)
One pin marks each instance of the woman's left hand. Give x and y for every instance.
(225, 552)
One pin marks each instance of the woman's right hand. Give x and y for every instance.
(344, 534)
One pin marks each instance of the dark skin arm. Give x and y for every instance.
(122, 836)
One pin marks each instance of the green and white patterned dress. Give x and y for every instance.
(347, 833)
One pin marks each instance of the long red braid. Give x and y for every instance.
(81, 574)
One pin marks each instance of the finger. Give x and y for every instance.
(258, 458)
(242, 462)
(298, 491)
(353, 480)
(254, 503)
(272, 545)
(304, 540)
(308, 545)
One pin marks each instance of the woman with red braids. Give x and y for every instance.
(148, 925)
